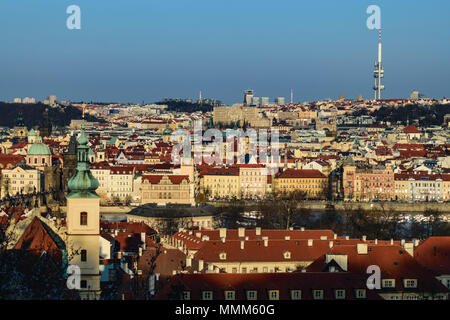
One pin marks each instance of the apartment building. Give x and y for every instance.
(312, 182)
(168, 188)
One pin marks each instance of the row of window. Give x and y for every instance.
(294, 294)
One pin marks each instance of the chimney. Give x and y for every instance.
(347, 238)
(330, 244)
(258, 231)
(287, 238)
(392, 242)
(364, 238)
(302, 229)
(241, 232)
(376, 241)
(416, 242)
(403, 243)
(310, 242)
(200, 265)
(140, 252)
(223, 232)
(266, 241)
(222, 239)
(291, 228)
(335, 236)
(242, 244)
(188, 261)
(361, 248)
(198, 234)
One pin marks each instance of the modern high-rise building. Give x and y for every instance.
(279, 100)
(264, 101)
(248, 96)
(255, 101)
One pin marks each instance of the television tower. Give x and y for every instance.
(292, 96)
(378, 72)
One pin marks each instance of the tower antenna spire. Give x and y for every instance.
(378, 72)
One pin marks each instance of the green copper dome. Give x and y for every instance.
(31, 133)
(39, 149)
(167, 131)
(83, 184)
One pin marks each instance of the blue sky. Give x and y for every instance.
(145, 50)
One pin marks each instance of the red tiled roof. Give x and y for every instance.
(295, 173)
(434, 254)
(411, 129)
(155, 178)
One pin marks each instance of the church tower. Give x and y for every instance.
(20, 129)
(83, 222)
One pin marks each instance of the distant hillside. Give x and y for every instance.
(426, 115)
(32, 114)
(184, 106)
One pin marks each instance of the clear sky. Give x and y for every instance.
(145, 50)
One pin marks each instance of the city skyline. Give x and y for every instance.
(177, 49)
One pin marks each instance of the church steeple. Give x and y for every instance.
(83, 184)
(83, 222)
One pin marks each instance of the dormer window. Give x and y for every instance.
(410, 283)
(361, 293)
(274, 295)
(207, 295)
(339, 294)
(287, 255)
(318, 294)
(186, 295)
(222, 256)
(296, 294)
(229, 295)
(251, 295)
(388, 283)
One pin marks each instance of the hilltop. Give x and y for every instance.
(32, 114)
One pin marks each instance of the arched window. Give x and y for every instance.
(83, 218)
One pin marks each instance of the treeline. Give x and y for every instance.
(185, 106)
(425, 115)
(283, 212)
(32, 114)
